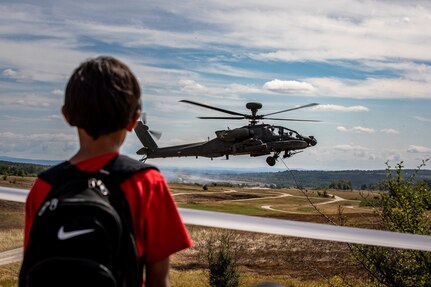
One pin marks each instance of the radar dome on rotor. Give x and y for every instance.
(253, 106)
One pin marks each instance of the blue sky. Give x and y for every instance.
(368, 64)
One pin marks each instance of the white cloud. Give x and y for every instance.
(169, 107)
(15, 75)
(9, 73)
(212, 67)
(355, 130)
(60, 58)
(355, 150)
(418, 149)
(55, 117)
(57, 92)
(350, 147)
(422, 119)
(409, 69)
(372, 88)
(243, 89)
(389, 131)
(30, 101)
(42, 145)
(45, 137)
(342, 129)
(293, 31)
(338, 108)
(191, 86)
(325, 32)
(288, 87)
(33, 122)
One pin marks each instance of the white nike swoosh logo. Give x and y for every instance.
(64, 235)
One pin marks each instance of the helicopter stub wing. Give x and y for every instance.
(192, 149)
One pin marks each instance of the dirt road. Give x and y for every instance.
(11, 256)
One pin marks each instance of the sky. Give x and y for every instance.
(367, 64)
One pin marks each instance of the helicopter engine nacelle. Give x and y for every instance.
(235, 134)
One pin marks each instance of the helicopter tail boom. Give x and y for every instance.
(145, 137)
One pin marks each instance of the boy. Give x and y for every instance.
(102, 100)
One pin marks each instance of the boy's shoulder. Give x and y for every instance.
(121, 166)
(54, 171)
(124, 167)
(125, 164)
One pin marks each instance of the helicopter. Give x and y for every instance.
(255, 139)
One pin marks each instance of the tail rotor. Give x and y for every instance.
(154, 133)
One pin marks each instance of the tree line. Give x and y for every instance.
(20, 169)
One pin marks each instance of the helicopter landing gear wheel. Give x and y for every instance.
(270, 160)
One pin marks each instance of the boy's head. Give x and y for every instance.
(102, 96)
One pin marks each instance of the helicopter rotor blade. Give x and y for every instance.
(213, 108)
(291, 109)
(144, 118)
(221, 118)
(292, 120)
(156, 134)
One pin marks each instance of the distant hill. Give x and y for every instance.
(32, 161)
(343, 179)
(323, 179)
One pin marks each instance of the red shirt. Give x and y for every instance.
(159, 230)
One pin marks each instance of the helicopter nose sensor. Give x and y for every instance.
(312, 140)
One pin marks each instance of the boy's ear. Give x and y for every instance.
(65, 115)
(131, 125)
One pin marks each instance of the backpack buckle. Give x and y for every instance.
(98, 184)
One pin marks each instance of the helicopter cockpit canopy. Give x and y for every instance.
(284, 132)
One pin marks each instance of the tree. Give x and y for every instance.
(403, 209)
(222, 258)
(341, 184)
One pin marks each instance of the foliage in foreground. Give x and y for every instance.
(403, 209)
(222, 259)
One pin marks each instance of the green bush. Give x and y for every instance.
(222, 259)
(403, 208)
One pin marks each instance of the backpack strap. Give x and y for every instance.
(123, 167)
(56, 174)
(118, 170)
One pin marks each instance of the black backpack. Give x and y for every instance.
(83, 232)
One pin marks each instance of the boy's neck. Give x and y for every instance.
(90, 147)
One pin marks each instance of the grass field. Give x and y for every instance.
(287, 260)
(11, 225)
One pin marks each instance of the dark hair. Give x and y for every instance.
(102, 96)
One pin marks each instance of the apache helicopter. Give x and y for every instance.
(254, 139)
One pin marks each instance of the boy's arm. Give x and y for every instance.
(37, 194)
(159, 229)
(157, 273)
